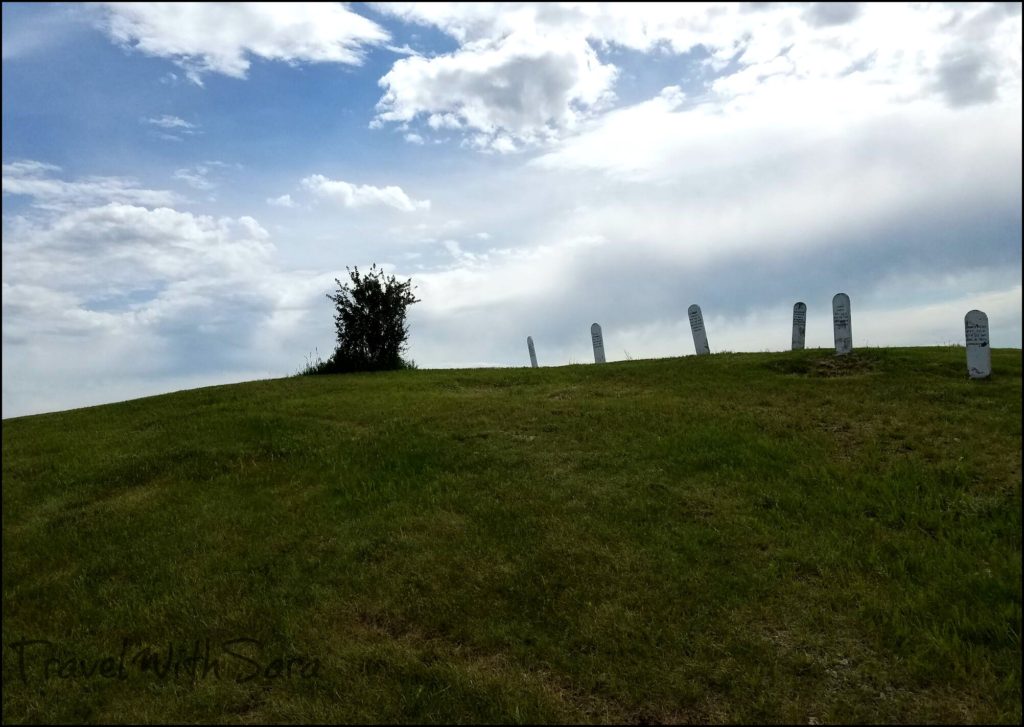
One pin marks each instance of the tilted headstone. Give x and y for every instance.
(979, 353)
(700, 336)
(598, 339)
(799, 325)
(841, 323)
(533, 353)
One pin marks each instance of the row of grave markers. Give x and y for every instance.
(979, 353)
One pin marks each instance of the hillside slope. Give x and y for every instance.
(738, 537)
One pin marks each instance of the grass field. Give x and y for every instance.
(782, 537)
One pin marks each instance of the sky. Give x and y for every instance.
(183, 183)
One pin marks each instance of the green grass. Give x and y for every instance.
(778, 537)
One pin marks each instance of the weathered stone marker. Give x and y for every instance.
(841, 324)
(533, 353)
(598, 339)
(700, 336)
(799, 325)
(979, 353)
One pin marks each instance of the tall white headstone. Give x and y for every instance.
(700, 336)
(799, 325)
(841, 323)
(533, 353)
(598, 339)
(979, 353)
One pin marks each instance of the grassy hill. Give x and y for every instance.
(738, 537)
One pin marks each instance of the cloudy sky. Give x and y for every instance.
(182, 183)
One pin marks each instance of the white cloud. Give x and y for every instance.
(28, 168)
(362, 195)
(114, 300)
(659, 141)
(119, 246)
(285, 200)
(196, 178)
(528, 73)
(34, 179)
(204, 176)
(219, 37)
(167, 121)
(523, 86)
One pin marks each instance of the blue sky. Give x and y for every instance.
(182, 183)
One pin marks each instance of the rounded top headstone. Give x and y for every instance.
(979, 350)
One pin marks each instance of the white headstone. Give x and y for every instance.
(979, 353)
(700, 336)
(598, 339)
(799, 325)
(841, 323)
(533, 353)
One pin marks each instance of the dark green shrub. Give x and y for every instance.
(369, 321)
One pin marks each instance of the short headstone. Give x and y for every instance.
(533, 353)
(799, 325)
(700, 336)
(598, 339)
(979, 353)
(841, 324)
